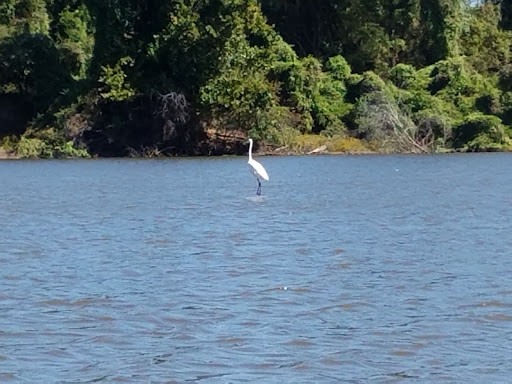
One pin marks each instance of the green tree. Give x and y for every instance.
(74, 37)
(31, 66)
(484, 43)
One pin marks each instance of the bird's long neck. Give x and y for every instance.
(250, 150)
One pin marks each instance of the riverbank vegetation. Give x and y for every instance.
(85, 78)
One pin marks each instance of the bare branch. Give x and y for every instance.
(172, 106)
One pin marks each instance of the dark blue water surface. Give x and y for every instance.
(346, 269)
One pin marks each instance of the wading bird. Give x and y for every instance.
(256, 169)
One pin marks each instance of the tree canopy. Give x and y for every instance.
(152, 77)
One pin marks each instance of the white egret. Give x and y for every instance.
(256, 169)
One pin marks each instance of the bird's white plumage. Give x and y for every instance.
(257, 169)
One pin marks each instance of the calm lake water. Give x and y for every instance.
(346, 269)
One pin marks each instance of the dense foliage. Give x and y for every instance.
(153, 77)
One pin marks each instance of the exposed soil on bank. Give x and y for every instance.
(4, 155)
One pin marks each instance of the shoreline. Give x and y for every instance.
(4, 156)
(7, 156)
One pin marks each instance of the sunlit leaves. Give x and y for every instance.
(115, 86)
(75, 39)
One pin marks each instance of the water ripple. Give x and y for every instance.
(171, 271)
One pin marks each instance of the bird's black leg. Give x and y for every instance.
(258, 192)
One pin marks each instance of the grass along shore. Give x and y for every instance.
(234, 144)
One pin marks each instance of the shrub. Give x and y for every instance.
(506, 102)
(306, 143)
(403, 75)
(480, 132)
(115, 87)
(489, 103)
(9, 144)
(380, 119)
(32, 148)
(338, 67)
(46, 144)
(505, 78)
(319, 97)
(347, 144)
